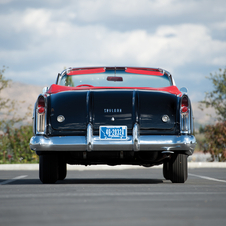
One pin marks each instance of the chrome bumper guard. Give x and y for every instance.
(164, 143)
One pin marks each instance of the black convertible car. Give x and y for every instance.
(113, 116)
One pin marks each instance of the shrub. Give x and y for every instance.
(14, 146)
(215, 142)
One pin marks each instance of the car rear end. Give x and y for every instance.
(114, 122)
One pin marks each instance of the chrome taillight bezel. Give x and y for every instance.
(41, 115)
(185, 116)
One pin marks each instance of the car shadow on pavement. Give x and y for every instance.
(90, 181)
(110, 181)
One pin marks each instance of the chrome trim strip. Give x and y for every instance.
(45, 89)
(66, 143)
(185, 123)
(185, 118)
(40, 119)
(167, 152)
(136, 137)
(81, 143)
(89, 137)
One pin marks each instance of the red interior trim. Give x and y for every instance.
(57, 88)
(86, 71)
(144, 72)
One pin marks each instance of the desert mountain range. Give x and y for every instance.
(29, 93)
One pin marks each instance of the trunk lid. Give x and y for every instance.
(113, 107)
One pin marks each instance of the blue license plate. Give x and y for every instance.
(113, 132)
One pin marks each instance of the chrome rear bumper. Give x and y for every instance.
(167, 143)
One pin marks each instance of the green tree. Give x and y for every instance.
(69, 81)
(217, 98)
(3, 102)
(215, 135)
(14, 135)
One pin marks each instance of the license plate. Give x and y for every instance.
(113, 132)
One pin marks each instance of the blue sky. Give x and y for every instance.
(188, 38)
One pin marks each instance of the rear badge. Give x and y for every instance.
(165, 118)
(60, 118)
(112, 119)
(115, 110)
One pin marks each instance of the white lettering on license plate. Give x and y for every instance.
(113, 132)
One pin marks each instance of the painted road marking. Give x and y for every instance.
(14, 179)
(207, 178)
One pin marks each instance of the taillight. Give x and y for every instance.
(185, 126)
(184, 104)
(41, 110)
(41, 105)
(41, 115)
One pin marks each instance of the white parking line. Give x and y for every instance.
(15, 178)
(207, 178)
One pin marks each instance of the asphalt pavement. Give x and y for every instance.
(138, 196)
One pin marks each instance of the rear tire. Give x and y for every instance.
(62, 168)
(48, 168)
(178, 166)
(166, 170)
